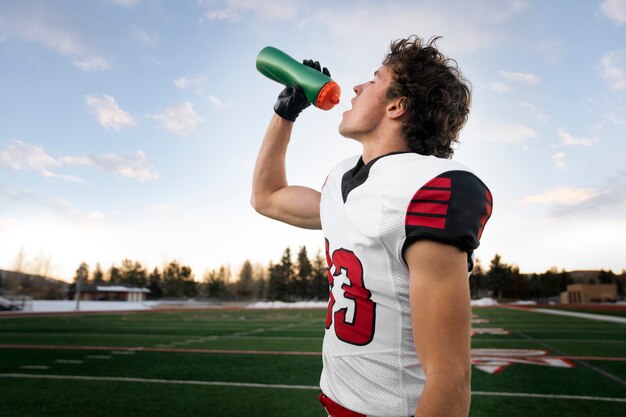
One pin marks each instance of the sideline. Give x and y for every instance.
(280, 386)
(600, 317)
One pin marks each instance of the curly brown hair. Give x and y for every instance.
(437, 96)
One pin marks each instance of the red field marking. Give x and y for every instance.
(255, 352)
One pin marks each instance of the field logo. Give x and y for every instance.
(494, 361)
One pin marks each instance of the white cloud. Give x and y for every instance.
(612, 70)
(196, 83)
(508, 133)
(143, 36)
(608, 198)
(97, 215)
(566, 196)
(108, 113)
(499, 88)
(54, 202)
(550, 50)
(163, 209)
(559, 160)
(521, 77)
(134, 165)
(384, 22)
(232, 10)
(615, 10)
(125, 3)
(537, 113)
(218, 103)
(20, 156)
(181, 119)
(45, 27)
(92, 63)
(568, 140)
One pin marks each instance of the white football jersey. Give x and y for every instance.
(369, 214)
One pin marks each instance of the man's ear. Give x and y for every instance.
(396, 107)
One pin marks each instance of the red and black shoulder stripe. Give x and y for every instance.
(453, 208)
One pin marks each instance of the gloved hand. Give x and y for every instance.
(291, 101)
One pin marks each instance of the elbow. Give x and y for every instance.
(255, 202)
(259, 204)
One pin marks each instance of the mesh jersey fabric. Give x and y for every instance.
(369, 213)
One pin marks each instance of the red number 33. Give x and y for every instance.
(360, 329)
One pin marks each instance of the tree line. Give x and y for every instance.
(290, 278)
(505, 281)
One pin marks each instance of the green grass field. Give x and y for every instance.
(267, 363)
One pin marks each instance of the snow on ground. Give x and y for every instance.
(523, 303)
(52, 306)
(484, 302)
(282, 304)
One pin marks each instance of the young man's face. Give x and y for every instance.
(368, 106)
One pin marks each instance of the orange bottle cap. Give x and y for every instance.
(328, 96)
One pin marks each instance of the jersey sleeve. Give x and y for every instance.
(452, 208)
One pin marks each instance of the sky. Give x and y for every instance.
(129, 128)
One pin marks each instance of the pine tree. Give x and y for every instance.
(319, 278)
(245, 285)
(97, 276)
(155, 284)
(302, 280)
(115, 277)
(133, 273)
(280, 276)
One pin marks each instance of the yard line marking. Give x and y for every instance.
(98, 357)
(34, 367)
(160, 381)
(281, 386)
(154, 349)
(548, 396)
(509, 339)
(582, 362)
(601, 317)
(132, 350)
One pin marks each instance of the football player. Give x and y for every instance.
(400, 222)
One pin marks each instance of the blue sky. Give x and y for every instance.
(129, 128)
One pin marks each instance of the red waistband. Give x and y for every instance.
(336, 410)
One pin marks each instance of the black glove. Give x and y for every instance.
(291, 101)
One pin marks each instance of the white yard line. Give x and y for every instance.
(158, 381)
(600, 317)
(548, 396)
(280, 386)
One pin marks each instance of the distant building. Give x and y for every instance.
(104, 292)
(589, 293)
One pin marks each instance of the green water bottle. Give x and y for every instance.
(319, 89)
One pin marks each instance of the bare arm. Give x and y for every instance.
(441, 318)
(271, 194)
